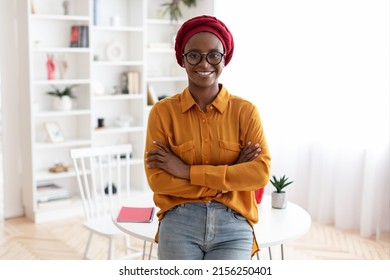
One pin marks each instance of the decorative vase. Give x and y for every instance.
(65, 5)
(62, 103)
(279, 200)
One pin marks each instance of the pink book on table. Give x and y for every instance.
(135, 214)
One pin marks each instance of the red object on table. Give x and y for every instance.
(259, 195)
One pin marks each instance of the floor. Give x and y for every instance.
(20, 239)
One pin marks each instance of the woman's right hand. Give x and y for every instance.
(165, 159)
(248, 153)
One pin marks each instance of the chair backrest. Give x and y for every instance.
(103, 177)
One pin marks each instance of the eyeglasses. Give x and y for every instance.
(213, 57)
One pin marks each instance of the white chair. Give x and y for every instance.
(103, 176)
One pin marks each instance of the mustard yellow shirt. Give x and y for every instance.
(209, 142)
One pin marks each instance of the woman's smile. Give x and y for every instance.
(204, 73)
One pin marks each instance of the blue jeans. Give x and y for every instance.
(204, 231)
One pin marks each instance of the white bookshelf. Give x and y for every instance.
(124, 36)
(48, 32)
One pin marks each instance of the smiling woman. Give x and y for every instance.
(204, 181)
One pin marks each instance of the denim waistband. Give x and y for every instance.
(208, 204)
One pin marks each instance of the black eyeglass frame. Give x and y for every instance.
(205, 55)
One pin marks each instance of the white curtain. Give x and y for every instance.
(319, 73)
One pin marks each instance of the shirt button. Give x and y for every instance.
(211, 107)
(203, 121)
(206, 140)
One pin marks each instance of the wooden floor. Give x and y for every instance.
(20, 239)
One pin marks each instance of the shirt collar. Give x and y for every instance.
(220, 102)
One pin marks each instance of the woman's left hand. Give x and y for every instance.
(167, 160)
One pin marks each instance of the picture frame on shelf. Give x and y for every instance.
(54, 132)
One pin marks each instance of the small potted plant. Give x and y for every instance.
(63, 98)
(279, 197)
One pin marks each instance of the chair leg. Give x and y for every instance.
(127, 244)
(269, 252)
(143, 251)
(111, 249)
(88, 244)
(150, 250)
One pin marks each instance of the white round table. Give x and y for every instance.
(278, 226)
(275, 226)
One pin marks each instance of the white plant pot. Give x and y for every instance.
(62, 104)
(279, 200)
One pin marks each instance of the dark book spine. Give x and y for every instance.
(84, 34)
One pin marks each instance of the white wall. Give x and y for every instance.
(11, 118)
(305, 51)
(1, 159)
(319, 73)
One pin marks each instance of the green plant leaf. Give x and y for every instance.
(280, 183)
(173, 8)
(189, 3)
(67, 91)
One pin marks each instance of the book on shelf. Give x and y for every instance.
(51, 192)
(55, 202)
(135, 214)
(133, 82)
(96, 12)
(74, 36)
(84, 36)
(79, 36)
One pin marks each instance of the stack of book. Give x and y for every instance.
(79, 36)
(52, 195)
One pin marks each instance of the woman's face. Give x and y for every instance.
(204, 74)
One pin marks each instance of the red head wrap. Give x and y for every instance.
(204, 24)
